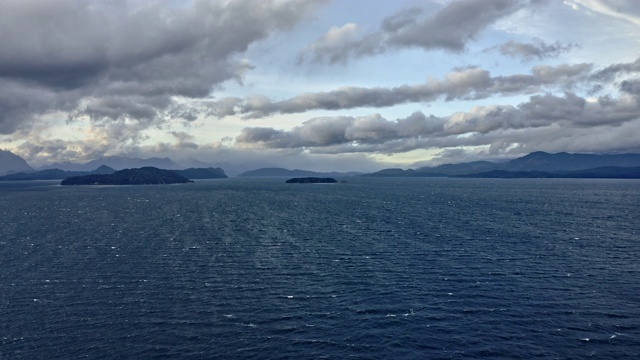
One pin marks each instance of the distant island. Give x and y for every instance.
(141, 176)
(311, 180)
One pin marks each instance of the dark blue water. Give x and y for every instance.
(369, 269)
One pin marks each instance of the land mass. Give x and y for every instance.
(57, 174)
(54, 174)
(534, 165)
(280, 172)
(11, 163)
(141, 176)
(202, 173)
(606, 172)
(311, 180)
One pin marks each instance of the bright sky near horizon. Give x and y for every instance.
(319, 85)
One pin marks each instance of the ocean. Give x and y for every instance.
(371, 268)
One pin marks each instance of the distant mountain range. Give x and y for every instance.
(606, 172)
(202, 173)
(280, 172)
(118, 163)
(534, 165)
(55, 174)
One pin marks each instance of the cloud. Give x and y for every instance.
(463, 84)
(501, 127)
(536, 50)
(115, 61)
(450, 29)
(613, 71)
(620, 9)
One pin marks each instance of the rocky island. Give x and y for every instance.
(140, 176)
(311, 180)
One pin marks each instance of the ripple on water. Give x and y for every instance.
(375, 268)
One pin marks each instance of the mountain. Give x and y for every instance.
(462, 168)
(229, 169)
(103, 169)
(526, 166)
(280, 172)
(606, 172)
(272, 172)
(542, 161)
(54, 174)
(142, 176)
(395, 172)
(202, 173)
(12, 163)
(438, 171)
(118, 163)
(58, 174)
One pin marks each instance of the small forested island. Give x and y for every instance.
(140, 176)
(311, 180)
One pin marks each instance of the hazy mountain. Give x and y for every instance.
(118, 163)
(229, 168)
(280, 172)
(462, 168)
(195, 163)
(202, 173)
(130, 163)
(12, 163)
(264, 172)
(607, 172)
(542, 161)
(548, 165)
(396, 172)
(54, 174)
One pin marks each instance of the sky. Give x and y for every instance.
(316, 84)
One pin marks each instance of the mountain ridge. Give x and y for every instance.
(11, 163)
(538, 161)
(282, 172)
(117, 163)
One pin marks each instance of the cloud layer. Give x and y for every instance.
(84, 79)
(464, 84)
(131, 67)
(449, 29)
(543, 122)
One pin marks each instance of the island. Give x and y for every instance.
(311, 180)
(140, 176)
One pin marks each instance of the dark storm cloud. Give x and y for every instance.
(537, 50)
(125, 59)
(499, 126)
(449, 29)
(464, 84)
